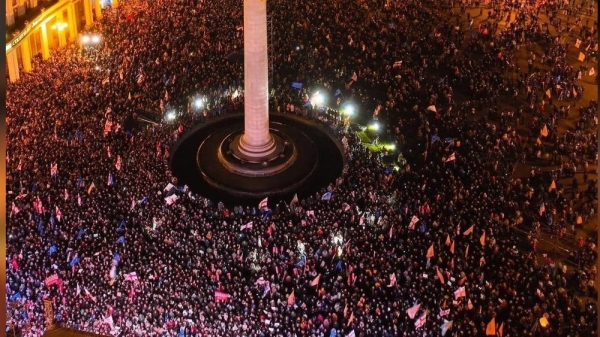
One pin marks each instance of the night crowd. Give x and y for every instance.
(444, 244)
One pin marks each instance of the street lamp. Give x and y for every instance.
(60, 26)
(90, 39)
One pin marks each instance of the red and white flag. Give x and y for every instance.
(460, 292)
(66, 194)
(413, 222)
(412, 312)
(118, 163)
(37, 205)
(78, 199)
(131, 277)
(421, 320)
(58, 213)
(53, 169)
(14, 210)
(452, 157)
(221, 296)
(263, 203)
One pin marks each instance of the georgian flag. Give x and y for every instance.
(58, 214)
(221, 296)
(53, 170)
(263, 203)
(421, 320)
(452, 157)
(118, 163)
(14, 209)
(131, 277)
(413, 222)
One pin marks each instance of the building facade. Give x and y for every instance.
(55, 27)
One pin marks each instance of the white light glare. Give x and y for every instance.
(198, 103)
(318, 99)
(350, 110)
(171, 116)
(85, 39)
(95, 38)
(375, 126)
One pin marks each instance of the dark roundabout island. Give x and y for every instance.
(310, 157)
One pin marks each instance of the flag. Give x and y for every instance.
(439, 275)
(50, 280)
(548, 93)
(435, 138)
(58, 213)
(354, 77)
(452, 247)
(291, 298)
(294, 199)
(469, 231)
(171, 199)
(66, 194)
(111, 179)
(574, 92)
(542, 209)
(501, 330)
(430, 251)
(14, 209)
(247, 226)
(581, 57)
(326, 196)
(351, 334)
(411, 312)
(592, 71)
(121, 240)
(490, 330)
(446, 326)
(577, 43)
(451, 157)
(131, 277)
(397, 64)
(467, 251)
(444, 312)
(460, 292)
(53, 170)
(544, 131)
(413, 222)
(52, 250)
(316, 280)
(425, 209)
(431, 108)
(392, 280)
(19, 165)
(92, 187)
(88, 294)
(302, 262)
(263, 203)
(482, 239)
(78, 199)
(421, 320)
(469, 304)
(79, 182)
(74, 261)
(118, 163)
(552, 186)
(448, 241)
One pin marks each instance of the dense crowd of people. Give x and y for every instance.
(432, 248)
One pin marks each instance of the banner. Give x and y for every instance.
(48, 312)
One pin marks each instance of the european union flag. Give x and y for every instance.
(16, 296)
(435, 138)
(333, 333)
(79, 182)
(121, 226)
(326, 196)
(265, 213)
(302, 262)
(121, 240)
(116, 258)
(80, 233)
(337, 93)
(52, 250)
(339, 265)
(41, 227)
(297, 85)
(75, 261)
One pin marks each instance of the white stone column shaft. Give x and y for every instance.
(256, 72)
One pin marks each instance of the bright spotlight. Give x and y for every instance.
(391, 147)
(318, 99)
(374, 126)
(96, 39)
(349, 110)
(198, 103)
(338, 240)
(171, 116)
(85, 39)
(97, 67)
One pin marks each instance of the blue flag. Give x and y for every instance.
(121, 240)
(266, 212)
(80, 233)
(79, 182)
(302, 262)
(16, 296)
(144, 201)
(296, 85)
(435, 138)
(121, 226)
(339, 265)
(337, 93)
(41, 227)
(333, 333)
(388, 170)
(52, 250)
(326, 196)
(75, 261)
(116, 258)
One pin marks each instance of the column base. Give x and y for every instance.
(255, 154)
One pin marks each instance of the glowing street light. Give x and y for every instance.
(318, 99)
(171, 115)
(390, 147)
(374, 127)
(198, 103)
(348, 110)
(90, 39)
(60, 26)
